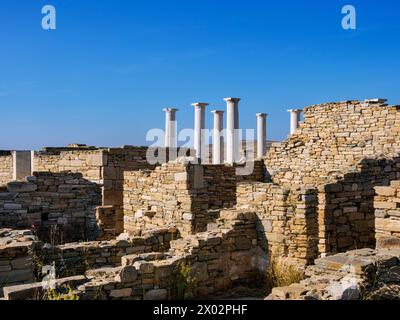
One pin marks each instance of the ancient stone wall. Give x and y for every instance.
(76, 258)
(287, 218)
(105, 166)
(110, 222)
(332, 141)
(186, 195)
(363, 274)
(16, 257)
(6, 167)
(345, 150)
(387, 215)
(88, 162)
(346, 206)
(218, 259)
(22, 255)
(60, 207)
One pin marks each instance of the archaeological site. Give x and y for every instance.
(313, 217)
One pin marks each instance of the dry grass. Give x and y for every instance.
(283, 272)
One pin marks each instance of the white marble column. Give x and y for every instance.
(199, 126)
(22, 164)
(295, 115)
(232, 130)
(170, 127)
(218, 139)
(261, 135)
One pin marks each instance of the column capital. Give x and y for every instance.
(234, 100)
(218, 111)
(295, 110)
(170, 109)
(262, 115)
(199, 104)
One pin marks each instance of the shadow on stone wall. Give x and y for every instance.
(58, 207)
(346, 207)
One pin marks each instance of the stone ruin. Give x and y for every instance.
(113, 225)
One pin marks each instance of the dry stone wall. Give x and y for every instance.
(225, 256)
(363, 274)
(175, 194)
(16, 257)
(346, 207)
(22, 255)
(345, 150)
(88, 162)
(387, 215)
(287, 219)
(183, 194)
(60, 207)
(109, 221)
(6, 167)
(75, 258)
(333, 139)
(105, 166)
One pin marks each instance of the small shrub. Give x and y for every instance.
(282, 273)
(185, 283)
(61, 293)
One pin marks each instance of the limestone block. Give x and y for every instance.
(127, 274)
(385, 191)
(121, 293)
(388, 225)
(156, 294)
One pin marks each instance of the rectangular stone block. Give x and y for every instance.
(385, 191)
(388, 225)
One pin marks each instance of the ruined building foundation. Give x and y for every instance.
(117, 226)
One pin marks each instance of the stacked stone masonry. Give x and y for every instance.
(187, 195)
(6, 167)
(287, 218)
(219, 259)
(387, 215)
(22, 254)
(60, 207)
(331, 187)
(344, 150)
(16, 263)
(361, 274)
(333, 140)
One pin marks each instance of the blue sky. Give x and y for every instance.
(103, 77)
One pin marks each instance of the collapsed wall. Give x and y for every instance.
(16, 262)
(363, 274)
(23, 256)
(218, 259)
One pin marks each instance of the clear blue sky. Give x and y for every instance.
(104, 75)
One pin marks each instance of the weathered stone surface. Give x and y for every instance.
(121, 293)
(127, 274)
(156, 294)
(346, 276)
